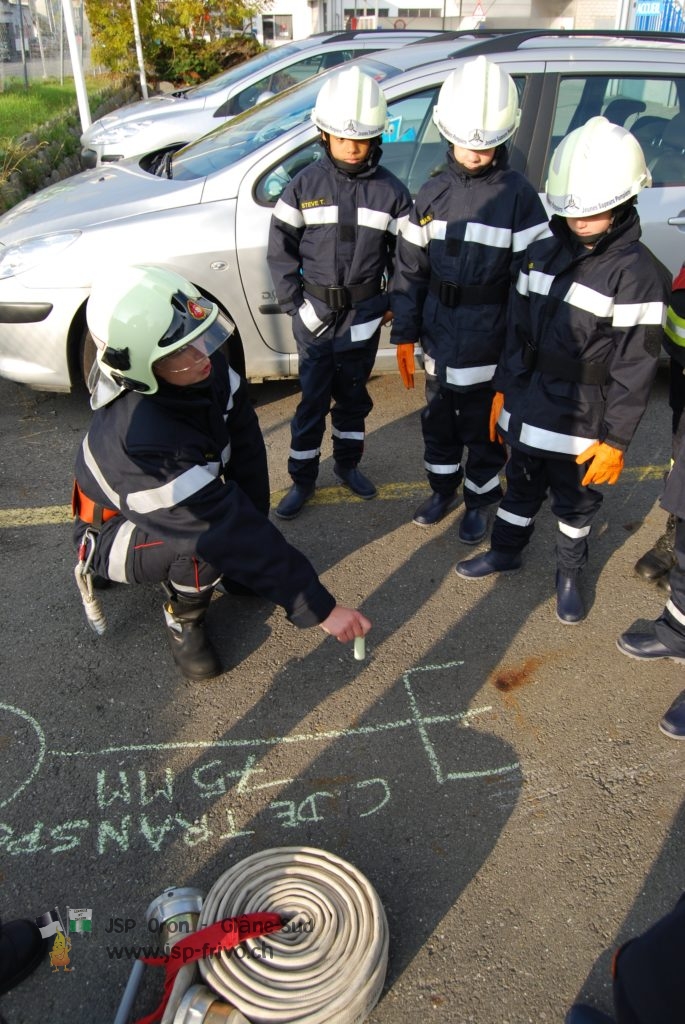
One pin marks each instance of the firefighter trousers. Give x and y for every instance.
(670, 626)
(450, 421)
(329, 376)
(529, 480)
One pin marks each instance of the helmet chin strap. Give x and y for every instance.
(348, 168)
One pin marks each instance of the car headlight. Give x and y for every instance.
(22, 256)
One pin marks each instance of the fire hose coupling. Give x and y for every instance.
(174, 914)
(289, 934)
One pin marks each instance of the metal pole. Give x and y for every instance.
(61, 45)
(23, 46)
(77, 68)
(139, 49)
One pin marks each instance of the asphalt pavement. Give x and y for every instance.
(499, 777)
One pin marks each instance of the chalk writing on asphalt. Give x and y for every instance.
(149, 801)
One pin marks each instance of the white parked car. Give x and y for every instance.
(205, 212)
(185, 115)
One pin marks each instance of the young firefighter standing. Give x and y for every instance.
(171, 480)
(456, 259)
(331, 247)
(585, 329)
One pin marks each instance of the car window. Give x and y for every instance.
(229, 143)
(278, 81)
(228, 78)
(649, 107)
(271, 185)
(403, 147)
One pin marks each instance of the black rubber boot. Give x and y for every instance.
(570, 607)
(22, 947)
(434, 509)
(660, 558)
(292, 503)
(192, 651)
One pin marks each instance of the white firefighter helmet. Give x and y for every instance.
(140, 314)
(595, 168)
(478, 105)
(351, 105)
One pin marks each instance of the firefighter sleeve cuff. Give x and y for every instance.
(312, 606)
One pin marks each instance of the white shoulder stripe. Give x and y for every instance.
(630, 314)
(288, 214)
(486, 234)
(175, 491)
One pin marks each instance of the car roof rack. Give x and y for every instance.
(512, 39)
(356, 33)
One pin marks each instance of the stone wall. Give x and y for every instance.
(52, 152)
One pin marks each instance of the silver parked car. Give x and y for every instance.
(185, 115)
(204, 211)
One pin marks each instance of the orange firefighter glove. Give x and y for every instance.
(495, 410)
(405, 362)
(606, 465)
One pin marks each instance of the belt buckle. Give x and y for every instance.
(449, 294)
(337, 297)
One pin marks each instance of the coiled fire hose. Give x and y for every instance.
(328, 962)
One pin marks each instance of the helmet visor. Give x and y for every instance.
(199, 349)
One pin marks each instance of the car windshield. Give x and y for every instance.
(237, 73)
(229, 143)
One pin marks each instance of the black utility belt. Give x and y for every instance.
(451, 294)
(344, 296)
(574, 370)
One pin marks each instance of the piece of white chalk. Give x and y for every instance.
(360, 648)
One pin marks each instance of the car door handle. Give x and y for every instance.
(679, 220)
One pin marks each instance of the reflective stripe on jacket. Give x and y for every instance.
(188, 465)
(582, 311)
(331, 228)
(471, 232)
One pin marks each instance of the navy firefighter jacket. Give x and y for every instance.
(456, 259)
(330, 228)
(585, 331)
(188, 465)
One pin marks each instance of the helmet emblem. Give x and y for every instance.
(197, 311)
(571, 203)
(476, 136)
(351, 126)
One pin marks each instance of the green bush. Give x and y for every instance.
(194, 60)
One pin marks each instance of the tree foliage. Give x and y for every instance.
(182, 40)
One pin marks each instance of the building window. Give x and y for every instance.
(277, 27)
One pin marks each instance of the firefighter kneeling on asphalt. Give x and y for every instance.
(171, 478)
